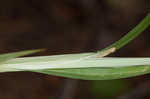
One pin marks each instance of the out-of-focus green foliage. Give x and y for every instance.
(108, 89)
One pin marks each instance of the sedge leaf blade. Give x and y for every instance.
(98, 73)
(85, 60)
(8, 56)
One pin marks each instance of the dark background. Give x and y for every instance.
(71, 26)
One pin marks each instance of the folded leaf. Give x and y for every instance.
(85, 66)
(84, 60)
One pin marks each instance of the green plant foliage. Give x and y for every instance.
(87, 66)
(8, 56)
(144, 24)
(108, 89)
(73, 61)
(98, 73)
(80, 66)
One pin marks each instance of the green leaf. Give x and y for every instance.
(87, 66)
(135, 32)
(98, 73)
(80, 66)
(84, 60)
(8, 56)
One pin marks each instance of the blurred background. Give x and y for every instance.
(71, 26)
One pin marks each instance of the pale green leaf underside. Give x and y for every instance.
(80, 66)
(84, 60)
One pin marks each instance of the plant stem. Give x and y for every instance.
(130, 35)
